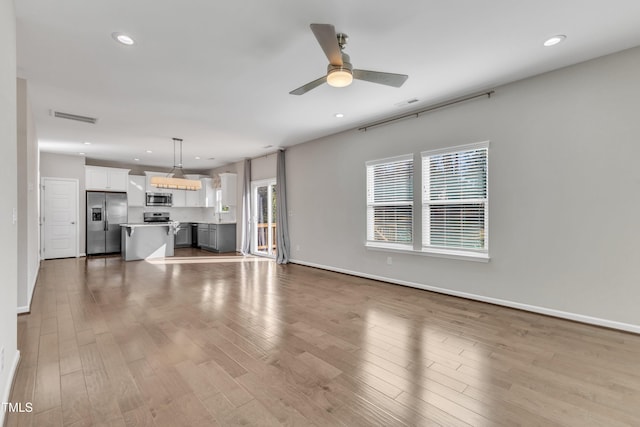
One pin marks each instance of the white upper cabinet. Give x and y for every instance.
(208, 199)
(203, 198)
(106, 179)
(193, 198)
(136, 190)
(179, 198)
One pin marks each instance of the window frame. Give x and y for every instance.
(390, 245)
(416, 247)
(425, 204)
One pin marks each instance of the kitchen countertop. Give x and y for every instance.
(171, 223)
(211, 222)
(147, 224)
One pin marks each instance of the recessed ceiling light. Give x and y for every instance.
(136, 159)
(552, 41)
(149, 151)
(87, 143)
(82, 154)
(122, 38)
(339, 115)
(197, 157)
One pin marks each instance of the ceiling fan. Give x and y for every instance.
(340, 72)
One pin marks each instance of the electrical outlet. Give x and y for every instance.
(389, 260)
(297, 247)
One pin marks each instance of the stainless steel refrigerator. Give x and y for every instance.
(105, 213)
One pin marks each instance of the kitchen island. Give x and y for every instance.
(147, 240)
(217, 237)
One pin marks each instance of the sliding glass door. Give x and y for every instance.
(263, 203)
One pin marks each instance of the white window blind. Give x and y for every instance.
(390, 200)
(454, 198)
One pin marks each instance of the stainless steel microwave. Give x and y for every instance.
(159, 199)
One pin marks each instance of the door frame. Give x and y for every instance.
(254, 216)
(42, 208)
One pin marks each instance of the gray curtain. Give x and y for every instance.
(282, 224)
(246, 208)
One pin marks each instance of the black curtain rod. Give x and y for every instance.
(416, 114)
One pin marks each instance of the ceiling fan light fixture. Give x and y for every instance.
(339, 77)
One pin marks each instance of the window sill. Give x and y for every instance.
(438, 253)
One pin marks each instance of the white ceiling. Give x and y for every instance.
(218, 74)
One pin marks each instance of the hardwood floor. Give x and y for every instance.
(206, 340)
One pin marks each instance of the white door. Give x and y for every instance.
(263, 203)
(59, 218)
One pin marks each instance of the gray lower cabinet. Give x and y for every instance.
(203, 235)
(213, 237)
(217, 237)
(183, 236)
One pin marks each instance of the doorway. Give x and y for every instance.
(59, 219)
(263, 203)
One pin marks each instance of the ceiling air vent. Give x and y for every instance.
(84, 119)
(407, 102)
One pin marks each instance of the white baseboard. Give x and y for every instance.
(628, 327)
(27, 308)
(81, 255)
(33, 287)
(10, 380)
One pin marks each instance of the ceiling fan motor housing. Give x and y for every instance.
(346, 64)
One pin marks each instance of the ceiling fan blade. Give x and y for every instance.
(309, 86)
(326, 36)
(389, 79)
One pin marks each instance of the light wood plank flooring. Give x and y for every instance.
(206, 340)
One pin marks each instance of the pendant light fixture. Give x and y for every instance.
(175, 178)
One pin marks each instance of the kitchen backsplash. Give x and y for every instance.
(184, 214)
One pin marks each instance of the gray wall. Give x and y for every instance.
(8, 195)
(564, 189)
(137, 168)
(62, 166)
(263, 167)
(28, 192)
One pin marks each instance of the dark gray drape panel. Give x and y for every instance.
(246, 208)
(282, 224)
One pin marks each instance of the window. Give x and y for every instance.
(454, 199)
(390, 202)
